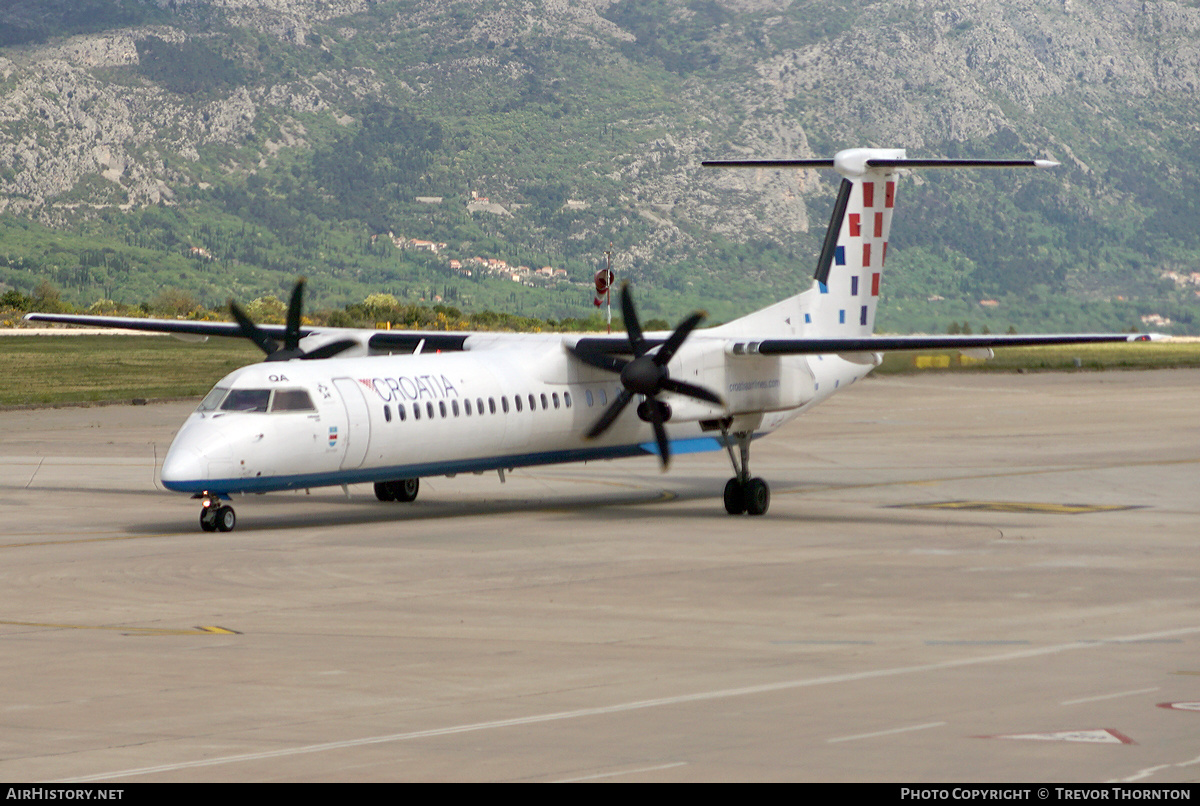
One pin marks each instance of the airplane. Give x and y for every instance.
(338, 406)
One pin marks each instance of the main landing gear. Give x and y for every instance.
(215, 516)
(743, 493)
(399, 490)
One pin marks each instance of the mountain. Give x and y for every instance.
(222, 147)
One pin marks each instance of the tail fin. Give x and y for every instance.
(850, 268)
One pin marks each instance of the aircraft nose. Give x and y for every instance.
(184, 469)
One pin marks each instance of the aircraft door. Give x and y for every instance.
(358, 423)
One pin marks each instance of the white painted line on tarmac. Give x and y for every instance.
(600, 775)
(1148, 771)
(557, 716)
(1139, 775)
(1109, 696)
(884, 732)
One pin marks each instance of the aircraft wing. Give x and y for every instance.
(748, 345)
(885, 344)
(181, 326)
(376, 341)
(407, 341)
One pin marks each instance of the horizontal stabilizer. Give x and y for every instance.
(828, 163)
(876, 162)
(907, 163)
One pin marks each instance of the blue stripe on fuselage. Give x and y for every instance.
(262, 484)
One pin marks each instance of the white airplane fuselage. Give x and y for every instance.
(407, 416)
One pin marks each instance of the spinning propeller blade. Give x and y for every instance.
(291, 339)
(645, 375)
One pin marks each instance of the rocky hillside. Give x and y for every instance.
(279, 135)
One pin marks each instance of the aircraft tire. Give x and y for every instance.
(405, 489)
(384, 491)
(735, 497)
(757, 497)
(226, 519)
(208, 519)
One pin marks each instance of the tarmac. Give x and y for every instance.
(961, 578)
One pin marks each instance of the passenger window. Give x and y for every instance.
(467, 406)
(247, 400)
(587, 395)
(479, 405)
(387, 412)
(603, 398)
(429, 410)
(567, 399)
(517, 400)
(454, 407)
(400, 411)
(492, 405)
(292, 400)
(546, 405)
(555, 397)
(442, 408)
(416, 411)
(532, 404)
(504, 403)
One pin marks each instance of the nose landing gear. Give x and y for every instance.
(215, 516)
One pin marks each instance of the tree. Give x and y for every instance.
(47, 299)
(15, 300)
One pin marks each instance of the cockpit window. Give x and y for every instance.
(212, 399)
(247, 400)
(291, 400)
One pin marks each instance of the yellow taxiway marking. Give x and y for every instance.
(1018, 506)
(132, 630)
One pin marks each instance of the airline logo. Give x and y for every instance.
(411, 387)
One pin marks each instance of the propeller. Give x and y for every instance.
(291, 338)
(645, 375)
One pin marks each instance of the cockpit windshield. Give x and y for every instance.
(256, 400)
(212, 399)
(247, 400)
(291, 400)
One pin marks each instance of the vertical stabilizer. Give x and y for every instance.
(850, 268)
